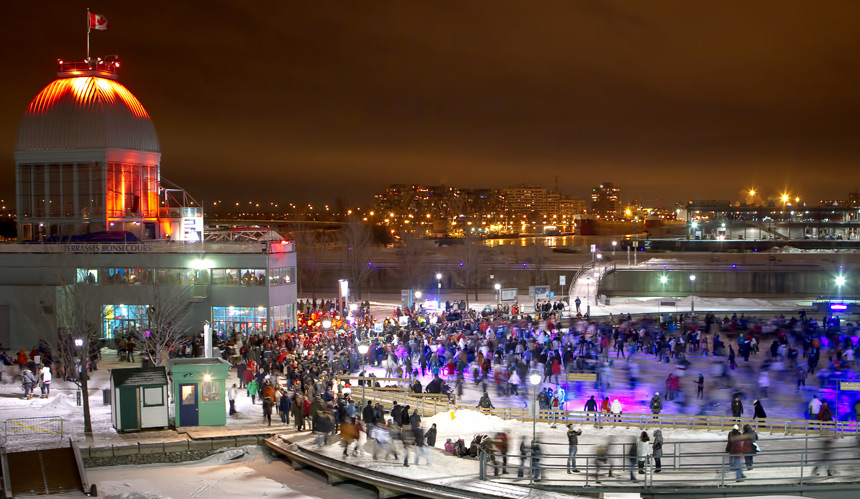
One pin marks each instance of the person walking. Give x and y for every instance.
(268, 405)
(572, 446)
(700, 387)
(253, 387)
(735, 449)
(657, 450)
(285, 406)
(750, 445)
(28, 382)
(232, 393)
(758, 411)
(45, 375)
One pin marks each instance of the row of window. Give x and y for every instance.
(221, 277)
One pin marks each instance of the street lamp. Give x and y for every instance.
(79, 343)
(534, 379)
(614, 244)
(498, 288)
(439, 283)
(692, 283)
(587, 289)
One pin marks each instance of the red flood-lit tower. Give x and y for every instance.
(87, 160)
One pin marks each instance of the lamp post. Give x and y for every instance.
(498, 290)
(439, 284)
(534, 379)
(588, 291)
(614, 244)
(82, 371)
(692, 298)
(840, 281)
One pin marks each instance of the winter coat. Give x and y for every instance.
(368, 415)
(657, 446)
(430, 436)
(415, 421)
(573, 437)
(253, 388)
(28, 379)
(285, 404)
(643, 450)
(737, 408)
(485, 402)
(615, 407)
(656, 404)
(759, 411)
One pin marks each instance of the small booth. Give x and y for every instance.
(199, 394)
(139, 398)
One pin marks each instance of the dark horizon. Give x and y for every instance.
(296, 102)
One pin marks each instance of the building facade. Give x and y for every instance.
(94, 217)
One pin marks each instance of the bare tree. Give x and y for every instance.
(411, 258)
(168, 317)
(357, 241)
(79, 317)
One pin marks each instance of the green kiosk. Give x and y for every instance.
(199, 393)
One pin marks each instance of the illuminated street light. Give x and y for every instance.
(840, 280)
(535, 379)
(418, 294)
(692, 304)
(663, 279)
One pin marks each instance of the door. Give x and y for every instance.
(188, 407)
(129, 414)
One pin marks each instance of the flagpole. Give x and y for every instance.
(88, 34)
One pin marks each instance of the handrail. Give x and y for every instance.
(641, 421)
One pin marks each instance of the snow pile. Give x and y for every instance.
(137, 495)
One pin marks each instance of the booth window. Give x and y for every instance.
(211, 391)
(153, 397)
(189, 396)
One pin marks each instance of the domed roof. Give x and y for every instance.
(86, 112)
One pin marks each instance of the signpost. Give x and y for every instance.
(509, 294)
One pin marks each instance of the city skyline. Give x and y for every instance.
(305, 103)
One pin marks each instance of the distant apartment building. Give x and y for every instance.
(606, 201)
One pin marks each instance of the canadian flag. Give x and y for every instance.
(98, 22)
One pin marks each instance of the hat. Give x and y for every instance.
(656, 393)
(735, 427)
(570, 425)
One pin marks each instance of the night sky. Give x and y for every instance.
(294, 101)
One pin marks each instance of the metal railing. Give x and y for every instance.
(838, 462)
(431, 404)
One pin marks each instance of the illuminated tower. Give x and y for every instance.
(87, 160)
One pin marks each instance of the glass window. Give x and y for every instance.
(212, 391)
(219, 276)
(188, 394)
(88, 276)
(247, 320)
(153, 396)
(233, 276)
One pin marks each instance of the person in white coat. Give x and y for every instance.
(643, 451)
(615, 409)
(45, 375)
